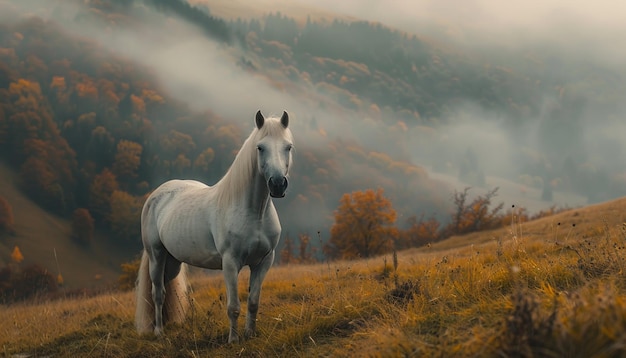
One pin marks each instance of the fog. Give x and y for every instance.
(598, 26)
(578, 42)
(204, 74)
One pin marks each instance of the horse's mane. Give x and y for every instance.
(239, 175)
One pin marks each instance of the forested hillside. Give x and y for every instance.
(89, 124)
(88, 129)
(552, 115)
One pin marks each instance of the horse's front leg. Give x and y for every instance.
(257, 275)
(231, 269)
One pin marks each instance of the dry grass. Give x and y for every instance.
(544, 288)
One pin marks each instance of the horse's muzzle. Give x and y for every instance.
(277, 186)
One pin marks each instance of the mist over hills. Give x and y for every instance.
(379, 97)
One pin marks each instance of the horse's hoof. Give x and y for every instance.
(158, 331)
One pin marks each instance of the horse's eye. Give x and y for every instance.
(289, 147)
(259, 148)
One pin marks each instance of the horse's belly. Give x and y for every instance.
(198, 256)
(195, 250)
(209, 261)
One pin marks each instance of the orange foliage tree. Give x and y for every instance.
(100, 191)
(16, 255)
(125, 215)
(305, 252)
(202, 163)
(364, 226)
(420, 232)
(286, 254)
(127, 160)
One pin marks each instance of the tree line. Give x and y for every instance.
(365, 225)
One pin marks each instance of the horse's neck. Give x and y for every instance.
(258, 197)
(253, 196)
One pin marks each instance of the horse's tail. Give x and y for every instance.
(176, 298)
(144, 313)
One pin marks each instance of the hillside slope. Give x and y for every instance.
(563, 228)
(39, 234)
(519, 291)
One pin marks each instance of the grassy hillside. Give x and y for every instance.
(551, 287)
(39, 233)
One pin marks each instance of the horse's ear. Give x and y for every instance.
(259, 119)
(284, 120)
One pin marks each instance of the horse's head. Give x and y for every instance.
(274, 152)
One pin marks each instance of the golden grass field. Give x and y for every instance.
(554, 287)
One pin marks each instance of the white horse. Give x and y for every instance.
(226, 226)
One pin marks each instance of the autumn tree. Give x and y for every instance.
(127, 160)
(77, 133)
(175, 143)
(421, 231)
(286, 254)
(203, 161)
(474, 215)
(34, 144)
(16, 255)
(82, 226)
(101, 146)
(6, 216)
(126, 281)
(364, 226)
(125, 217)
(100, 191)
(306, 251)
(40, 182)
(180, 166)
(26, 118)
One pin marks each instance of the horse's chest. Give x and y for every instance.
(255, 243)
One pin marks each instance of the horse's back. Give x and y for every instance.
(172, 190)
(178, 185)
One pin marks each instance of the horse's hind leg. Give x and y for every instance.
(257, 275)
(158, 258)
